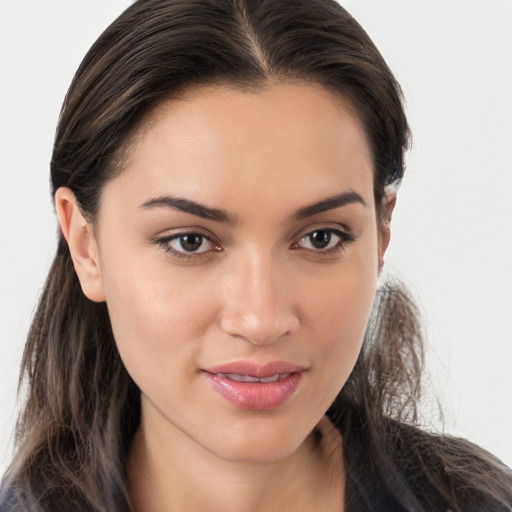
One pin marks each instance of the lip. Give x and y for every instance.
(255, 395)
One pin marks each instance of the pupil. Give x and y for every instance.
(320, 239)
(191, 242)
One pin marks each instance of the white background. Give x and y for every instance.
(452, 237)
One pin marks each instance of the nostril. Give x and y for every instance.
(259, 330)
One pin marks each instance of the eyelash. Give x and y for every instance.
(167, 240)
(344, 239)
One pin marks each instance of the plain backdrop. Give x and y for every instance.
(452, 228)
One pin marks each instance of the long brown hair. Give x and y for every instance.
(82, 408)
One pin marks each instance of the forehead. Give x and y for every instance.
(222, 141)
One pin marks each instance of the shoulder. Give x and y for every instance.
(394, 466)
(453, 469)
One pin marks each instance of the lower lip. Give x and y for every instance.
(255, 395)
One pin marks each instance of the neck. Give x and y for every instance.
(167, 477)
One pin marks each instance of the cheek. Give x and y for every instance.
(156, 320)
(343, 327)
(339, 317)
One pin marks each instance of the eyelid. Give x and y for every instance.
(183, 230)
(163, 240)
(324, 226)
(346, 237)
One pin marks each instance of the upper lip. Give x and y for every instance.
(256, 369)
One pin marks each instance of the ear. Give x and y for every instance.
(82, 244)
(388, 205)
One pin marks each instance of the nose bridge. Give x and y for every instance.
(257, 306)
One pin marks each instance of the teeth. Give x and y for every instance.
(241, 378)
(248, 378)
(274, 378)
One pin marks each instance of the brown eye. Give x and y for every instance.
(188, 244)
(320, 239)
(323, 240)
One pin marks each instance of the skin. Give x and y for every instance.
(257, 289)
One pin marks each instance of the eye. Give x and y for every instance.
(324, 240)
(187, 244)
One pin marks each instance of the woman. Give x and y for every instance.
(223, 175)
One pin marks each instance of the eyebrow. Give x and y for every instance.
(188, 206)
(330, 203)
(220, 215)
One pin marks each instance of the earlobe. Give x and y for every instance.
(81, 242)
(389, 203)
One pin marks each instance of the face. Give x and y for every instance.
(238, 256)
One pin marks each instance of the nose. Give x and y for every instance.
(257, 305)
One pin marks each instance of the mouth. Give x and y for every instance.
(249, 385)
(249, 378)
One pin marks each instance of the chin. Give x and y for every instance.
(256, 454)
(259, 445)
